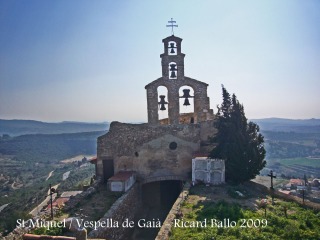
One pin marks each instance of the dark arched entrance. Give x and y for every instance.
(157, 200)
(161, 193)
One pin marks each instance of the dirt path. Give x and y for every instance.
(3, 206)
(65, 175)
(49, 176)
(44, 203)
(12, 185)
(76, 158)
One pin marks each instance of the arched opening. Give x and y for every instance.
(157, 200)
(161, 193)
(172, 48)
(173, 70)
(186, 105)
(163, 104)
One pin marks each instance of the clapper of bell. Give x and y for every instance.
(162, 102)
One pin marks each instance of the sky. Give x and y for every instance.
(80, 60)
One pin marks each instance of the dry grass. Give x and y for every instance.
(96, 205)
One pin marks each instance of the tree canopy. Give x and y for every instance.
(238, 141)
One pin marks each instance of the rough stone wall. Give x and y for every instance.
(74, 200)
(207, 131)
(144, 148)
(172, 38)
(121, 210)
(202, 109)
(165, 230)
(178, 58)
(17, 233)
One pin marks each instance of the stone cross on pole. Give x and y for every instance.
(272, 177)
(172, 25)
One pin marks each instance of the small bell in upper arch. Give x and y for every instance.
(172, 48)
(173, 74)
(173, 67)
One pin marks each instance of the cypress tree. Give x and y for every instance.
(238, 142)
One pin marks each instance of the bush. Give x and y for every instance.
(221, 210)
(51, 231)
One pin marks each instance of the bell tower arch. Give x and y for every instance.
(173, 78)
(172, 60)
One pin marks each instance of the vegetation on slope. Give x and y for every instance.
(284, 220)
(25, 162)
(44, 148)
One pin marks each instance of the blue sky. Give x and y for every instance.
(90, 60)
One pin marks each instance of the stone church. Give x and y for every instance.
(162, 149)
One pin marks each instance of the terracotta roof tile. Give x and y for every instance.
(122, 176)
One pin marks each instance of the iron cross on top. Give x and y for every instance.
(172, 25)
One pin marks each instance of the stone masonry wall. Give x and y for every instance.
(145, 148)
(202, 109)
(165, 230)
(124, 208)
(74, 200)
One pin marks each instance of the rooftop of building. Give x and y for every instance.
(122, 176)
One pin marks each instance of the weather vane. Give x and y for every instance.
(172, 25)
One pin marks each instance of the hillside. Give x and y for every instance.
(29, 163)
(26, 160)
(289, 125)
(22, 127)
(48, 147)
(293, 146)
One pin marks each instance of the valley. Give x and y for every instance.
(29, 163)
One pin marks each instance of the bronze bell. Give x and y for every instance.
(186, 93)
(162, 102)
(186, 102)
(173, 67)
(186, 96)
(162, 107)
(172, 48)
(173, 74)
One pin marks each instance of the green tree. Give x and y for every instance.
(238, 142)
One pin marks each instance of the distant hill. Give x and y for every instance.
(289, 125)
(48, 147)
(22, 127)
